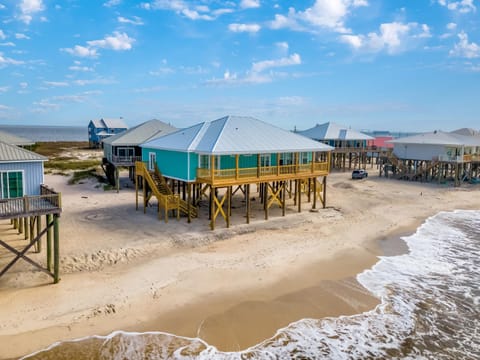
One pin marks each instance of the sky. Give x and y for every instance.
(410, 65)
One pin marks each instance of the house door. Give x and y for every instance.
(152, 159)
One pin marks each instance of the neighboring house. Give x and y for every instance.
(435, 155)
(21, 171)
(15, 140)
(351, 147)
(99, 130)
(382, 142)
(437, 146)
(124, 149)
(236, 151)
(338, 136)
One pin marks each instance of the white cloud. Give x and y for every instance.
(463, 6)
(28, 8)
(117, 42)
(251, 28)
(293, 59)
(257, 75)
(56, 83)
(2, 35)
(103, 81)
(4, 107)
(451, 26)
(4, 61)
(134, 21)
(392, 37)
(112, 3)
(80, 68)
(2, 7)
(23, 85)
(246, 4)
(465, 49)
(21, 36)
(4, 89)
(326, 14)
(81, 51)
(282, 45)
(180, 7)
(8, 43)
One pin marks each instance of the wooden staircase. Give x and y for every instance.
(160, 189)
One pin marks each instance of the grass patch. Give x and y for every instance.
(53, 149)
(78, 176)
(71, 164)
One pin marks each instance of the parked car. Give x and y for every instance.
(359, 174)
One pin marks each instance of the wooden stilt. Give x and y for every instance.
(265, 199)
(283, 190)
(229, 205)
(117, 179)
(56, 249)
(247, 202)
(189, 198)
(136, 192)
(324, 202)
(49, 242)
(299, 202)
(212, 207)
(144, 190)
(314, 205)
(39, 229)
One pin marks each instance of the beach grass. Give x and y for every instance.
(78, 176)
(54, 149)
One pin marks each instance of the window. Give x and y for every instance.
(265, 160)
(152, 159)
(12, 184)
(286, 159)
(304, 158)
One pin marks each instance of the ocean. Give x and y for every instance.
(430, 309)
(48, 133)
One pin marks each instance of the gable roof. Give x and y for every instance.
(439, 138)
(12, 153)
(466, 131)
(333, 131)
(141, 133)
(14, 140)
(109, 123)
(235, 135)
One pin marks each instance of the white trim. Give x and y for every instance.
(8, 187)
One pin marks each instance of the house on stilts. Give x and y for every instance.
(24, 200)
(434, 156)
(220, 158)
(101, 129)
(123, 150)
(352, 149)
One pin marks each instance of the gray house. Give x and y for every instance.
(21, 171)
(122, 150)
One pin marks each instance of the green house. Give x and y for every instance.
(235, 150)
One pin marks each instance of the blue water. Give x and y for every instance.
(430, 309)
(48, 133)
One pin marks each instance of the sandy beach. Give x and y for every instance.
(123, 269)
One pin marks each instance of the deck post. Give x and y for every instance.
(229, 205)
(283, 197)
(247, 202)
(299, 195)
(136, 191)
(39, 230)
(236, 167)
(56, 249)
(212, 207)
(117, 180)
(314, 205)
(265, 199)
(144, 191)
(49, 242)
(21, 223)
(189, 200)
(324, 202)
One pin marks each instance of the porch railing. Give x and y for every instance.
(125, 159)
(319, 168)
(48, 202)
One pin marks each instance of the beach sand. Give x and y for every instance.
(122, 269)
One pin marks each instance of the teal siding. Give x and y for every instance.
(173, 164)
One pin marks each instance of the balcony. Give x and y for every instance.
(125, 160)
(49, 202)
(261, 174)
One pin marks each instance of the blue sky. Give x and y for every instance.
(369, 64)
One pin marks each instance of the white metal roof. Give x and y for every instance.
(14, 140)
(333, 131)
(439, 138)
(235, 135)
(109, 123)
(12, 153)
(141, 133)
